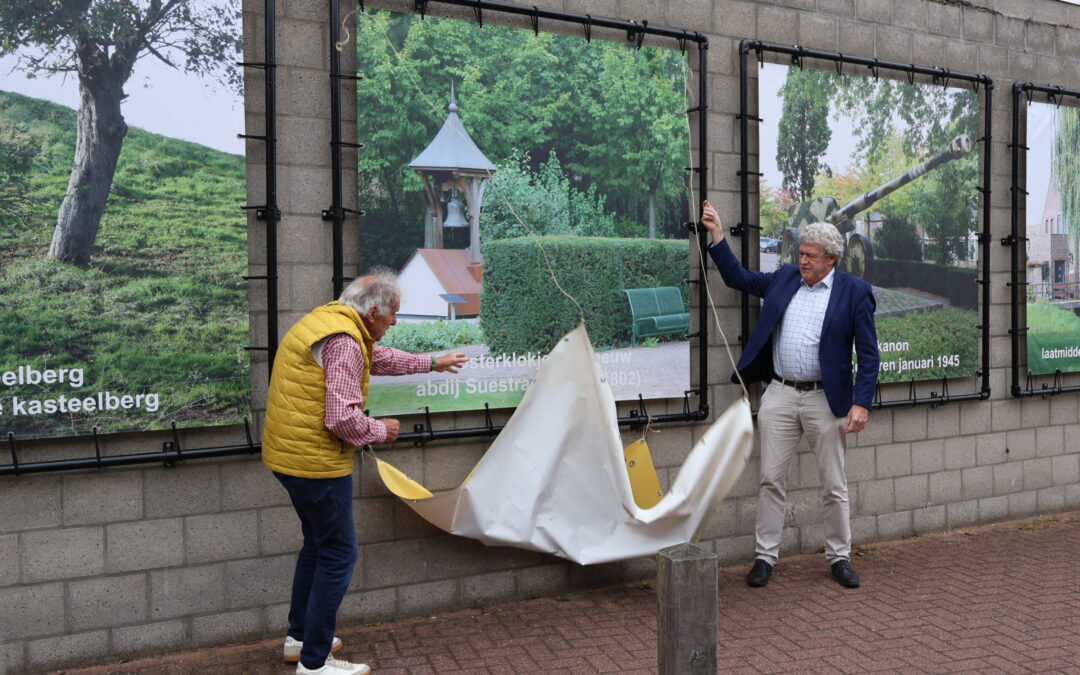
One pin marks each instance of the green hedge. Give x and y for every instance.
(522, 310)
(432, 336)
(955, 283)
(963, 291)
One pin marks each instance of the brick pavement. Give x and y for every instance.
(1000, 598)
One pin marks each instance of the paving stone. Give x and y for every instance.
(959, 601)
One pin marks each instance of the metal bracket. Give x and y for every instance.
(14, 452)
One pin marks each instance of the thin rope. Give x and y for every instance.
(648, 427)
(697, 240)
(437, 112)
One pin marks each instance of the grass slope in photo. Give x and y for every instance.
(1050, 328)
(939, 343)
(161, 308)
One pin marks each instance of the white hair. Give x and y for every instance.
(377, 289)
(824, 235)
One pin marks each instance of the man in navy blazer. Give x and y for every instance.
(812, 315)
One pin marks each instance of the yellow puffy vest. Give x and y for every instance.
(295, 440)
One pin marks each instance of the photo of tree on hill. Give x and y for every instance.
(1053, 238)
(895, 166)
(519, 182)
(121, 248)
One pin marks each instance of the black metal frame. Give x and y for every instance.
(269, 213)
(1018, 278)
(939, 76)
(635, 32)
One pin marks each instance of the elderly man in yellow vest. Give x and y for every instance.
(314, 422)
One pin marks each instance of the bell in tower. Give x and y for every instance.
(455, 212)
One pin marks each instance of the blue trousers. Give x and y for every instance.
(324, 566)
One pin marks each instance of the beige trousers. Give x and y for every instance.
(784, 416)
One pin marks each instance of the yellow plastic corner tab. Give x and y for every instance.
(642, 472)
(400, 484)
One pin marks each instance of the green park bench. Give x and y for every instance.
(656, 311)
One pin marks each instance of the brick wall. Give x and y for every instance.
(132, 561)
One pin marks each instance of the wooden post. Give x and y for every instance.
(687, 605)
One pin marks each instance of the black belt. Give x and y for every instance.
(800, 386)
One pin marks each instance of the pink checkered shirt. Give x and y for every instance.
(343, 363)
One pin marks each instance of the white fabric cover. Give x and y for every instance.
(555, 481)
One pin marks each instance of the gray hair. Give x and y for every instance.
(824, 235)
(379, 288)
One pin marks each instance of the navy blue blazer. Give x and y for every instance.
(849, 320)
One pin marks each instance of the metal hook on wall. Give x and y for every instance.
(422, 6)
(97, 447)
(641, 33)
(247, 431)
(536, 20)
(588, 28)
(478, 8)
(942, 77)
(14, 452)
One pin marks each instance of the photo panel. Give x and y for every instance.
(520, 183)
(1053, 238)
(122, 241)
(895, 166)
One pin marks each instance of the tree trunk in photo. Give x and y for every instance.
(652, 215)
(100, 136)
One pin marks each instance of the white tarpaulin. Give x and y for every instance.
(555, 480)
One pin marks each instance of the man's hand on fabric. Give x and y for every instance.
(856, 419)
(449, 363)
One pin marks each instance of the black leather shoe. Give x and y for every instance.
(844, 575)
(760, 573)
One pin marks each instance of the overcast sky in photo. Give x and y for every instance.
(161, 100)
(1041, 127)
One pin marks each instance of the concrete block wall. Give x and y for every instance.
(130, 561)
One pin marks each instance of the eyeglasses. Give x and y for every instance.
(812, 256)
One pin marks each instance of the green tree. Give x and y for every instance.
(804, 133)
(519, 202)
(897, 239)
(408, 68)
(614, 116)
(100, 41)
(774, 210)
(1065, 169)
(927, 118)
(636, 150)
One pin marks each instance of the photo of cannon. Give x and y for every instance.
(858, 253)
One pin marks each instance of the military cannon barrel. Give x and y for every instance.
(959, 147)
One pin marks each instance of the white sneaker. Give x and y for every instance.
(291, 653)
(336, 667)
